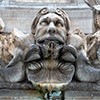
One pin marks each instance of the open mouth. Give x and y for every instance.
(50, 47)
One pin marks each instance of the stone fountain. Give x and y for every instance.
(49, 59)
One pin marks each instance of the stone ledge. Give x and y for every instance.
(25, 91)
(75, 86)
(6, 94)
(82, 95)
(82, 86)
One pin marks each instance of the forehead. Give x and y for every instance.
(51, 16)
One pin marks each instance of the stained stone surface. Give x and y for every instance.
(82, 95)
(6, 94)
(75, 91)
(21, 17)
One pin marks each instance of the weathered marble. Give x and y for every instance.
(51, 58)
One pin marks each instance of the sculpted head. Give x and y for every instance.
(51, 68)
(50, 23)
(50, 27)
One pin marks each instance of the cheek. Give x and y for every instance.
(62, 32)
(40, 31)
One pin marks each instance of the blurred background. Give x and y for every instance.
(19, 13)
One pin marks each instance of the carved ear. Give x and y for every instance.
(36, 19)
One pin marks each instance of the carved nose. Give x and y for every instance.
(51, 28)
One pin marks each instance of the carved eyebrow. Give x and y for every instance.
(46, 19)
(59, 20)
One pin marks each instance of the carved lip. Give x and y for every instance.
(55, 39)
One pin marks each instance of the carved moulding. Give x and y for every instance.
(49, 57)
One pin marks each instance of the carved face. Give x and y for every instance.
(51, 25)
(51, 32)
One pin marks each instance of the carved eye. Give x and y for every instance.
(59, 23)
(44, 22)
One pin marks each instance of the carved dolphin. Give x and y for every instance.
(85, 71)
